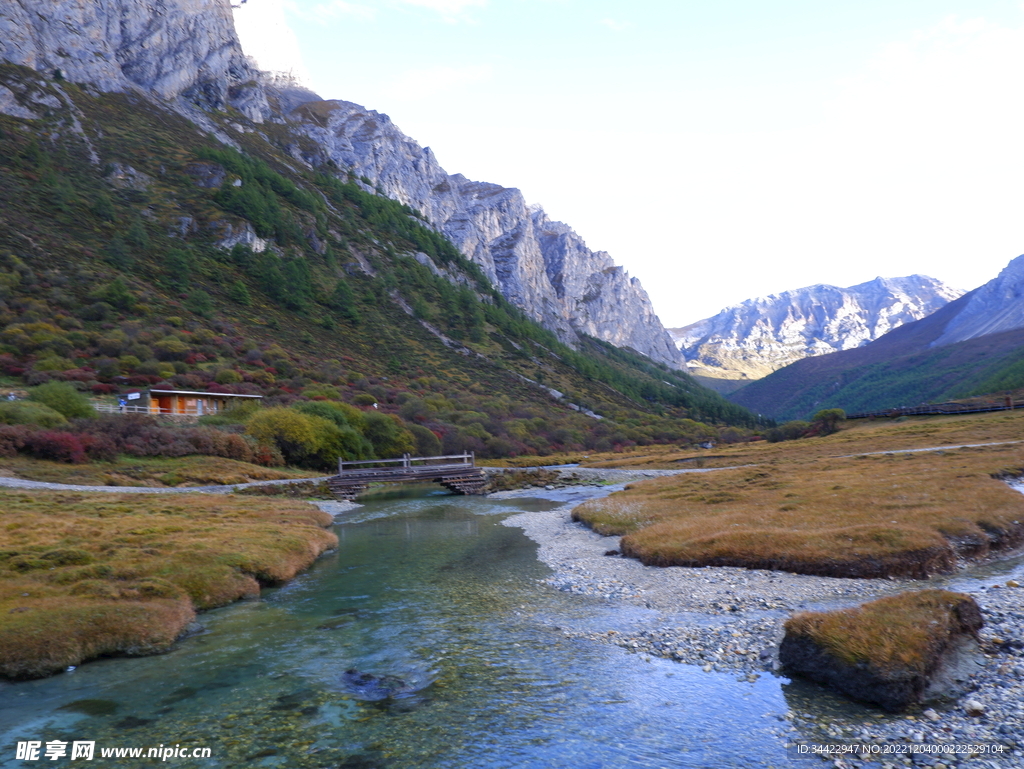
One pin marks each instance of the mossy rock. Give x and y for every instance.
(893, 652)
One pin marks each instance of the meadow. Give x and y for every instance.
(830, 505)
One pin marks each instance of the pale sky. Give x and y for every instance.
(717, 150)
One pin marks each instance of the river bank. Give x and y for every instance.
(91, 575)
(730, 619)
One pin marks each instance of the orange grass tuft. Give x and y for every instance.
(902, 632)
(911, 514)
(84, 575)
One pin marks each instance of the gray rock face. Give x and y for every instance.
(996, 306)
(171, 48)
(540, 265)
(756, 337)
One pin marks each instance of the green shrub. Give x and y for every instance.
(238, 293)
(228, 376)
(295, 434)
(427, 444)
(62, 397)
(388, 435)
(200, 303)
(237, 414)
(342, 442)
(322, 391)
(827, 420)
(348, 442)
(30, 413)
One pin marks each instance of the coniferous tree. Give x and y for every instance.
(238, 292)
(137, 235)
(118, 253)
(343, 301)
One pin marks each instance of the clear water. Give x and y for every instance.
(431, 590)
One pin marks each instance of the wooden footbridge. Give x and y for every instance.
(456, 472)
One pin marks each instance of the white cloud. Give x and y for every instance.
(616, 26)
(956, 78)
(333, 9)
(266, 36)
(419, 84)
(451, 10)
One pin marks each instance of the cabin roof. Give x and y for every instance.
(206, 394)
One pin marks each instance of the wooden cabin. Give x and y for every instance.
(193, 404)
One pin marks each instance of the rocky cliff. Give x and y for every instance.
(171, 48)
(541, 265)
(187, 51)
(756, 337)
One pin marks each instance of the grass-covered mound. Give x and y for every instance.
(87, 575)
(892, 651)
(871, 516)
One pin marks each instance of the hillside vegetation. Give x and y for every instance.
(131, 255)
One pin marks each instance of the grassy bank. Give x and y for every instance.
(147, 471)
(804, 509)
(87, 575)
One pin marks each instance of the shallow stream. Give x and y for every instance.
(457, 658)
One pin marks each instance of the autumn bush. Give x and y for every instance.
(55, 445)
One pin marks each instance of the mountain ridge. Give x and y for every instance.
(753, 338)
(969, 346)
(539, 264)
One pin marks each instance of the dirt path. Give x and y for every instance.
(933, 448)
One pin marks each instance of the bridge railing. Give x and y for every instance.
(406, 461)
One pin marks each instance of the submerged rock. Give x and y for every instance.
(367, 686)
(892, 652)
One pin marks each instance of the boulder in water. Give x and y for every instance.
(893, 652)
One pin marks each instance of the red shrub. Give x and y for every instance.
(100, 448)
(103, 389)
(56, 445)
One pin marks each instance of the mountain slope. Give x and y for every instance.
(974, 344)
(136, 249)
(750, 340)
(187, 52)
